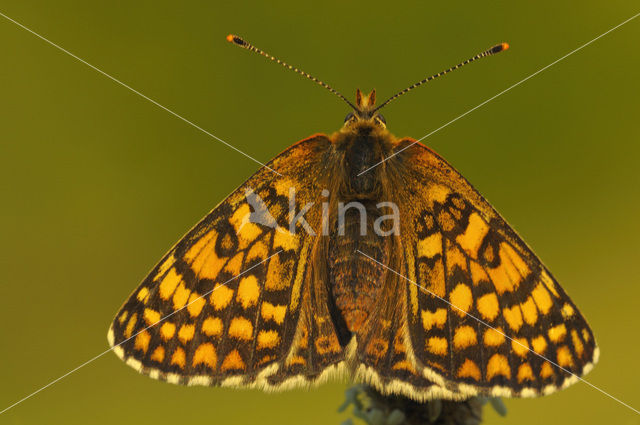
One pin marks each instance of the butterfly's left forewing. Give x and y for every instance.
(230, 304)
(483, 313)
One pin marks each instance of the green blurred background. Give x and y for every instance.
(98, 183)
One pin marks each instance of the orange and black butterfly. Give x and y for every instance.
(431, 296)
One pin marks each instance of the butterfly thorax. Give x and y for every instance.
(362, 145)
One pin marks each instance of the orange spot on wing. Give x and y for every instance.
(151, 316)
(478, 274)
(195, 304)
(205, 354)
(142, 341)
(455, 259)
(567, 310)
(513, 316)
(564, 356)
(529, 311)
(268, 339)
(488, 306)
(577, 343)
(437, 193)
(501, 280)
(273, 312)
(234, 265)
(464, 337)
(279, 274)
(212, 326)
(180, 296)
(167, 330)
(297, 360)
(493, 338)
(186, 332)
(248, 291)
(220, 297)
(430, 246)
(283, 239)
(498, 365)
(525, 373)
(461, 298)
(169, 284)
(539, 344)
(557, 333)
(202, 257)
(158, 354)
(178, 358)
(258, 250)
(446, 221)
(130, 325)
(508, 254)
(437, 345)
(431, 319)
(267, 359)
(233, 361)
(469, 370)
(246, 231)
(546, 371)
(542, 298)
(520, 346)
(472, 238)
(282, 186)
(404, 365)
(143, 295)
(240, 328)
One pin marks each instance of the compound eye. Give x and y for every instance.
(349, 116)
(380, 118)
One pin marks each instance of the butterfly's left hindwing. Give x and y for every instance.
(483, 312)
(230, 303)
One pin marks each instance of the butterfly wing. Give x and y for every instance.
(231, 303)
(482, 312)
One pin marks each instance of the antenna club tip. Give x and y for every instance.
(232, 38)
(499, 48)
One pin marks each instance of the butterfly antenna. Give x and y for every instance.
(239, 41)
(492, 51)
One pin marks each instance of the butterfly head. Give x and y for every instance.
(365, 111)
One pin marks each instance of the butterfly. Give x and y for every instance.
(356, 254)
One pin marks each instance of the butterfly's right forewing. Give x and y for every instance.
(231, 303)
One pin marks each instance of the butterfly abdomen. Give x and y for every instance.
(355, 281)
